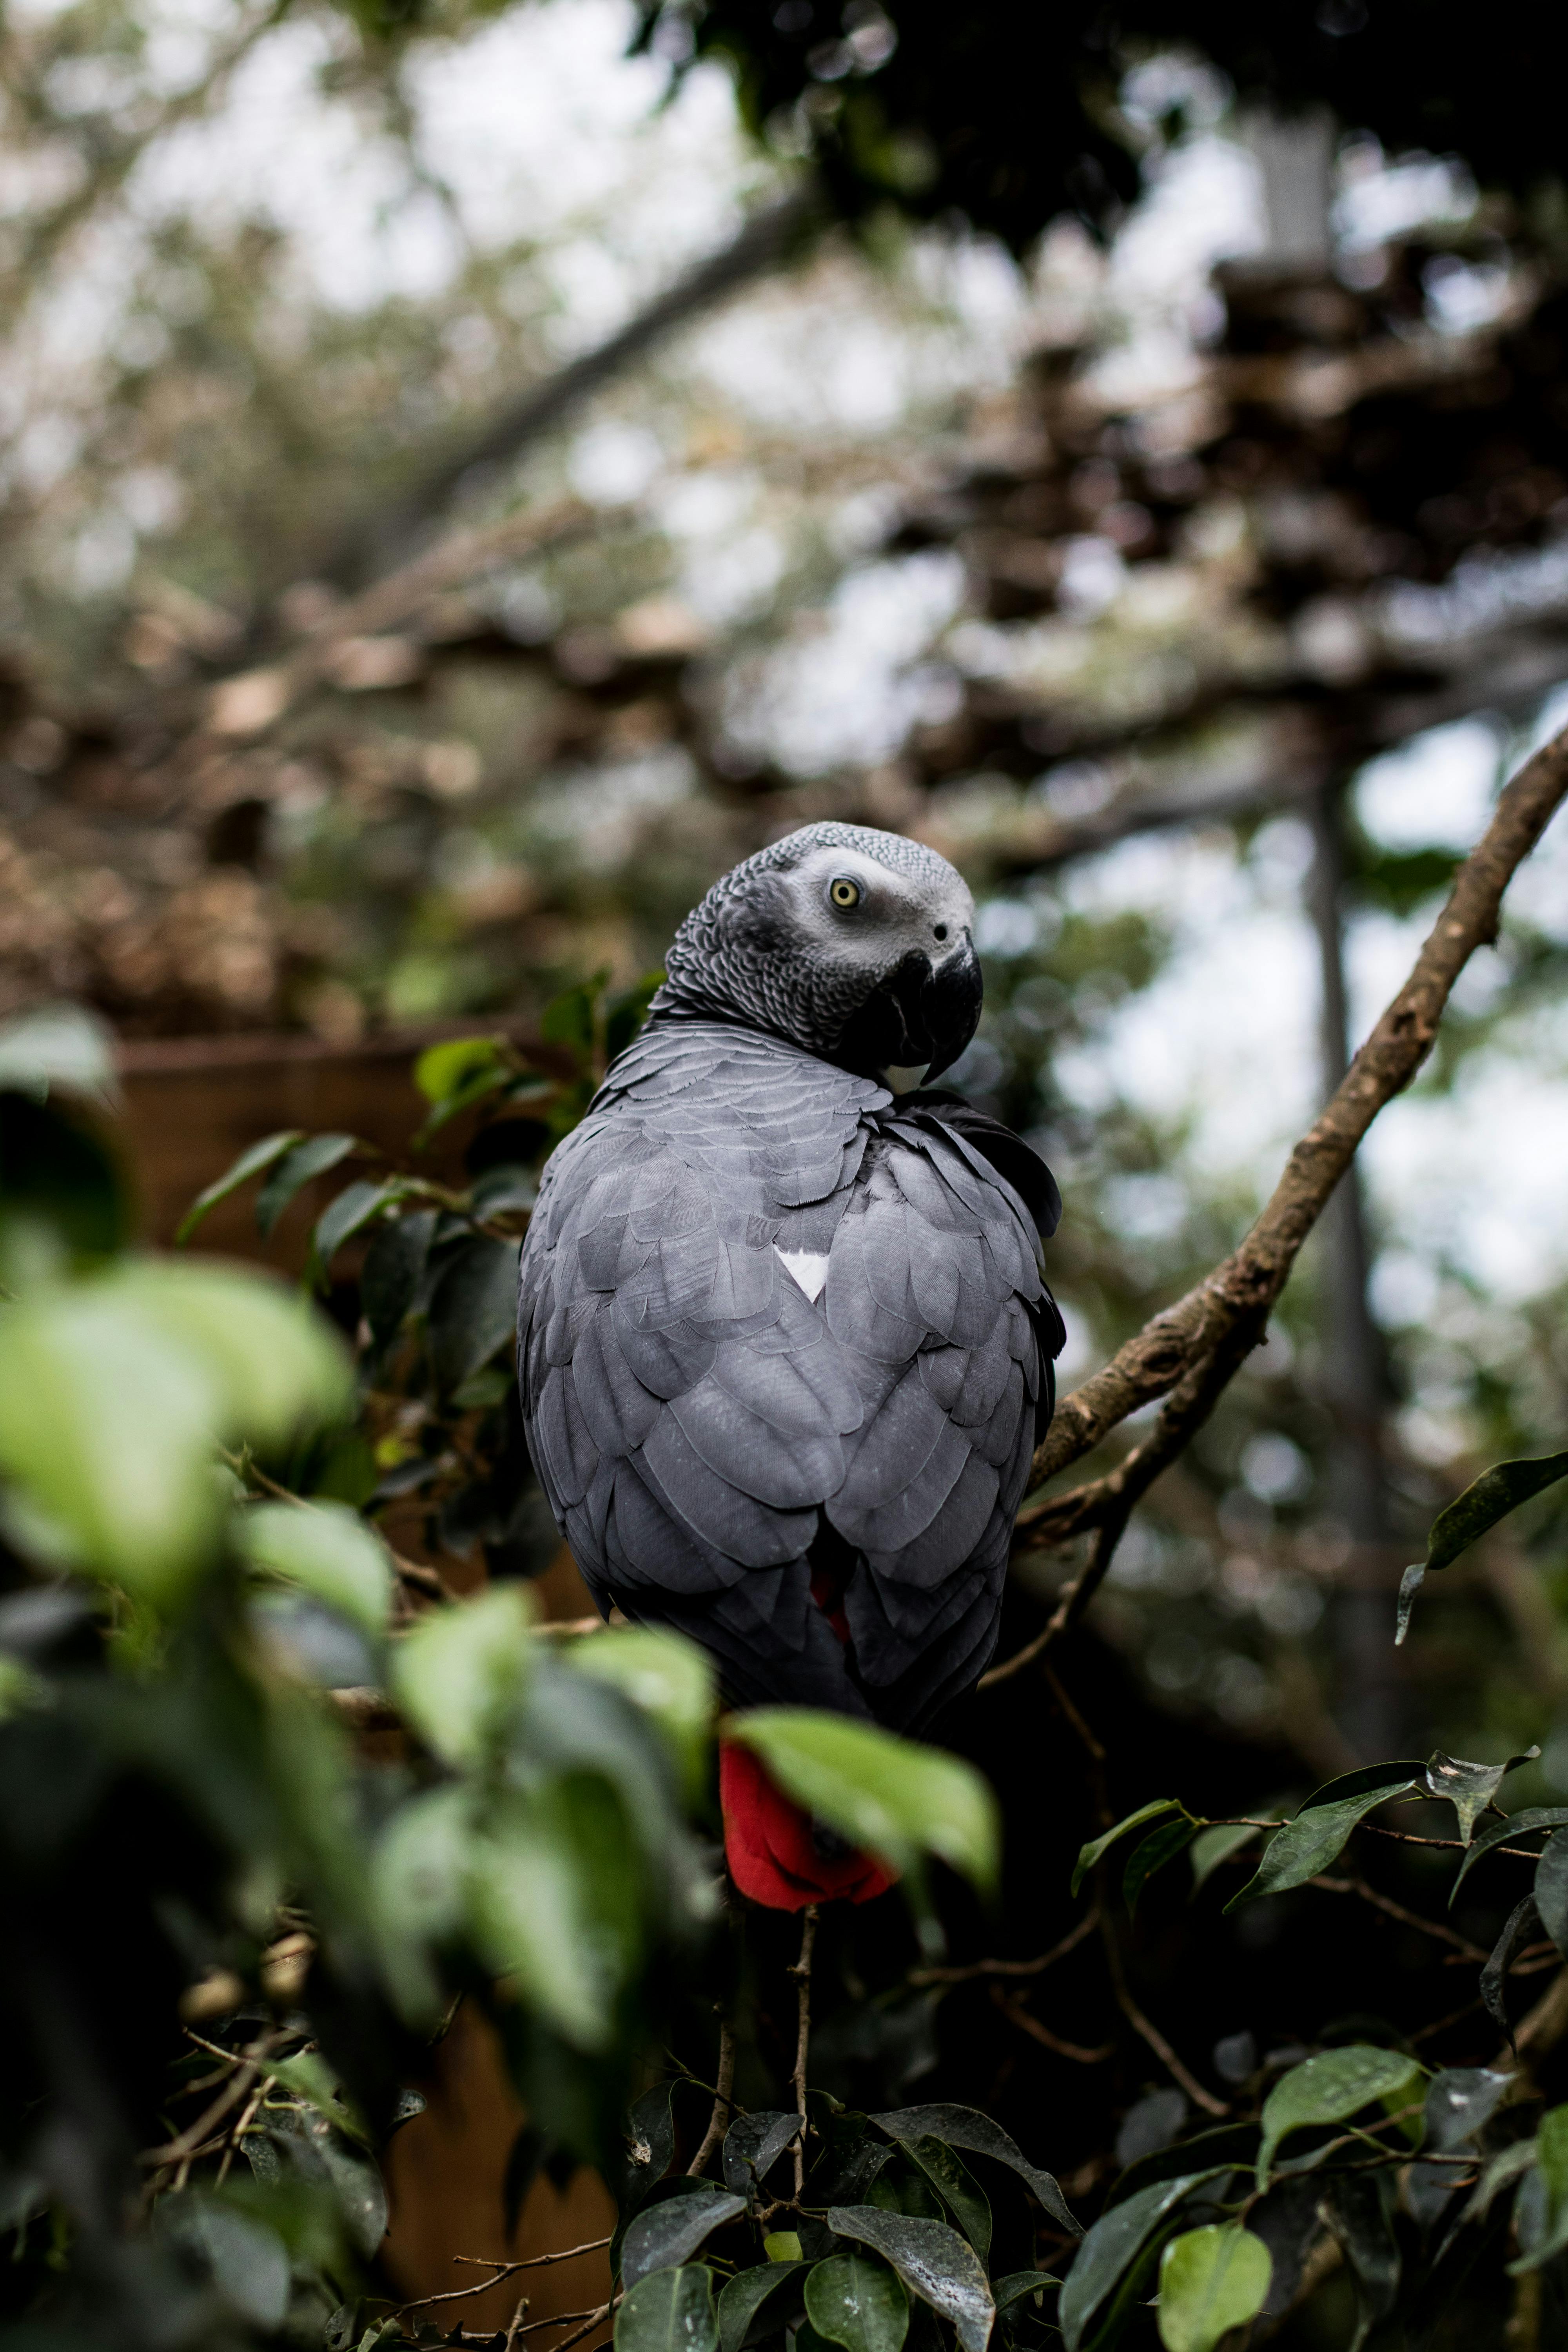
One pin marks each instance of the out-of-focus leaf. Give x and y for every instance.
(248, 2261)
(753, 2145)
(891, 1796)
(1520, 1927)
(460, 1671)
(1331, 2088)
(552, 1901)
(755, 2301)
(1111, 2246)
(61, 1046)
(295, 1170)
(473, 1309)
(1551, 1889)
(252, 1161)
(933, 2263)
(1540, 2209)
(571, 1018)
(309, 2078)
(393, 1263)
(669, 1677)
(1162, 1845)
(669, 2311)
(443, 1070)
(1500, 2172)
(1213, 1846)
(1458, 2102)
(1152, 2123)
(1531, 1817)
(1358, 2213)
(1211, 2279)
(662, 2236)
(62, 1193)
(1470, 1788)
(1309, 1844)
(418, 1875)
(965, 2201)
(859, 2301)
(327, 1549)
(967, 2128)
(274, 1363)
(1091, 1853)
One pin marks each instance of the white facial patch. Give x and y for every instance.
(807, 1267)
(903, 1077)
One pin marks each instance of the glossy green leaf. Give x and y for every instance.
(859, 2301)
(782, 2246)
(356, 1206)
(1162, 1844)
(894, 1797)
(1331, 2088)
(669, 2311)
(966, 2202)
(669, 1677)
(1111, 2247)
(756, 2301)
(1211, 1847)
(1470, 1788)
(1317, 1835)
(1488, 1499)
(327, 1549)
(1211, 2279)
(933, 2263)
(1092, 1852)
(252, 1161)
(297, 1169)
(967, 2128)
(753, 2145)
(1517, 1825)
(459, 1671)
(662, 2236)
(473, 1309)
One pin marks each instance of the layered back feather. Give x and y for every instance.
(784, 1348)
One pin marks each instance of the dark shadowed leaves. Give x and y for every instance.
(1162, 1845)
(247, 2261)
(295, 1170)
(1522, 1923)
(752, 2144)
(473, 1309)
(1115, 2241)
(1458, 2102)
(857, 2302)
(933, 2263)
(394, 1265)
(1532, 1817)
(1551, 1889)
(1333, 2086)
(959, 2190)
(1091, 1853)
(1357, 2206)
(356, 1206)
(756, 2303)
(967, 2128)
(669, 2311)
(664, 2235)
(251, 1162)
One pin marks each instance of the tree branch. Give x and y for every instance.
(1246, 1285)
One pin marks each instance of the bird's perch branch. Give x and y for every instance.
(1195, 1346)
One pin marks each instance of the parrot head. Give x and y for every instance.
(856, 945)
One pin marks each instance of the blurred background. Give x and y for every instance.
(462, 490)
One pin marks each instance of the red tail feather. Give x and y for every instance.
(769, 1846)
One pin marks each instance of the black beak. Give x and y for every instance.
(922, 1013)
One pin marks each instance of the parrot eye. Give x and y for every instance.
(844, 893)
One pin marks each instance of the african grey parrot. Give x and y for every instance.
(783, 1345)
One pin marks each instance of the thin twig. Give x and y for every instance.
(516, 2318)
(1086, 1926)
(1150, 2031)
(1018, 2015)
(460, 2294)
(719, 2121)
(1433, 1928)
(533, 2262)
(801, 1972)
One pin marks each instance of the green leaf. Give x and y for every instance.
(669, 1677)
(1551, 1889)
(958, 2188)
(460, 1671)
(669, 2311)
(553, 1894)
(247, 2261)
(1331, 2088)
(1089, 1854)
(753, 2145)
(480, 1082)
(895, 1797)
(1309, 1844)
(419, 1884)
(1151, 1854)
(571, 1019)
(295, 1170)
(782, 2246)
(275, 1361)
(393, 1263)
(1488, 1499)
(1519, 1929)
(933, 2263)
(473, 1309)
(309, 2078)
(1543, 2231)
(443, 1070)
(1112, 2246)
(1470, 1788)
(251, 1162)
(662, 2236)
(967, 2128)
(1022, 2287)
(1520, 1824)
(356, 1206)
(327, 1549)
(1213, 1846)
(58, 1046)
(1211, 2279)
(1460, 2100)
(855, 2301)
(745, 2297)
